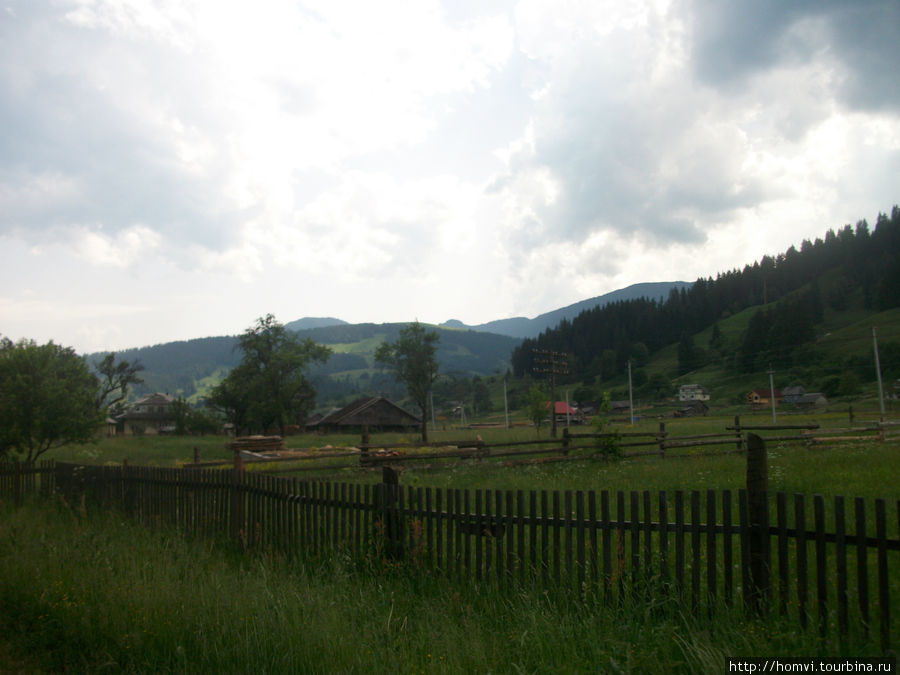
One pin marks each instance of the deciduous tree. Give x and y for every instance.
(412, 358)
(47, 398)
(269, 388)
(114, 380)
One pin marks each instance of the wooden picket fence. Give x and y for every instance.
(825, 563)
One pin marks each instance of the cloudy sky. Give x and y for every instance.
(176, 168)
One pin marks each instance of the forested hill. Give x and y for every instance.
(792, 290)
(190, 368)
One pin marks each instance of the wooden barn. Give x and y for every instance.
(377, 412)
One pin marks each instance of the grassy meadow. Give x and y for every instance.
(89, 591)
(849, 469)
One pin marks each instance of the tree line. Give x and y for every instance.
(793, 289)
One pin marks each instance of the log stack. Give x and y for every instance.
(256, 444)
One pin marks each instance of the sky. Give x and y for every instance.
(174, 169)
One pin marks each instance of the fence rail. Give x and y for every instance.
(573, 445)
(824, 563)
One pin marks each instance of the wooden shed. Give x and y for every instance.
(377, 412)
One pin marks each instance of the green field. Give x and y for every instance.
(88, 591)
(850, 469)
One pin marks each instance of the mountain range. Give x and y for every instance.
(523, 327)
(192, 367)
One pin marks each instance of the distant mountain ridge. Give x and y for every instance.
(522, 327)
(192, 367)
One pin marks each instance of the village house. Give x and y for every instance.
(692, 392)
(793, 393)
(567, 414)
(810, 402)
(693, 409)
(763, 397)
(151, 414)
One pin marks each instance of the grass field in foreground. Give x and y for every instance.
(89, 592)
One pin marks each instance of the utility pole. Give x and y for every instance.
(552, 363)
(772, 391)
(878, 372)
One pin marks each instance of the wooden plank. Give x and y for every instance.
(620, 545)
(439, 521)
(744, 530)
(510, 528)
(781, 525)
(555, 546)
(648, 540)
(821, 564)
(711, 559)
(479, 541)
(840, 563)
(467, 542)
(695, 550)
(568, 525)
(533, 535)
(607, 546)
(664, 538)
(727, 553)
(884, 602)
(862, 578)
(635, 522)
(593, 552)
(498, 541)
(457, 540)
(679, 543)
(545, 539)
(579, 540)
(520, 535)
(802, 588)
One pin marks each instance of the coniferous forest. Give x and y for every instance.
(850, 268)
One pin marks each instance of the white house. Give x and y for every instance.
(692, 392)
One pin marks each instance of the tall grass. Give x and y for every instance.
(90, 591)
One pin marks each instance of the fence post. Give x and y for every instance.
(662, 439)
(391, 519)
(127, 488)
(758, 507)
(364, 445)
(566, 440)
(238, 531)
(737, 432)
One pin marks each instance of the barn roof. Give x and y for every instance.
(373, 410)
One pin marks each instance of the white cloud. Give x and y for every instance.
(379, 161)
(120, 250)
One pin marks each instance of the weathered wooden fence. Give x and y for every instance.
(826, 562)
(573, 445)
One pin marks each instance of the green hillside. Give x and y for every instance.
(192, 368)
(806, 315)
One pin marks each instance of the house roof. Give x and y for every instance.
(766, 393)
(374, 410)
(150, 407)
(563, 408)
(154, 399)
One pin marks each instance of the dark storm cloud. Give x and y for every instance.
(733, 40)
(640, 164)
